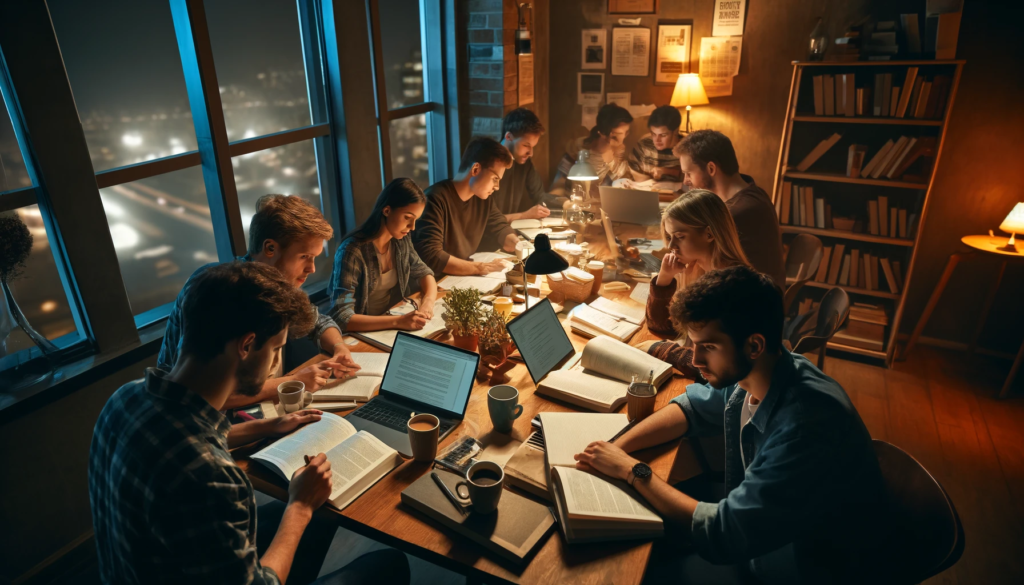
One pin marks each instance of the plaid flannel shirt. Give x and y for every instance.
(646, 157)
(169, 505)
(171, 347)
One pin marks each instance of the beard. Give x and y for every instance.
(250, 375)
(740, 369)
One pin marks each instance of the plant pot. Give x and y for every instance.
(494, 360)
(468, 342)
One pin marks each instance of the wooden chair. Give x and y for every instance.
(923, 535)
(831, 313)
(802, 262)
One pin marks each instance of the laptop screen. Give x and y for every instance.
(431, 373)
(541, 339)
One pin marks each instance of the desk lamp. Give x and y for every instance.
(689, 91)
(1013, 224)
(543, 260)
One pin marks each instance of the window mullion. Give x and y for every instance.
(432, 23)
(383, 116)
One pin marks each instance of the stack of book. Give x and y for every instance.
(891, 221)
(857, 269)
(798, 206)
(865, 328)
(918, 97)
(894, 159)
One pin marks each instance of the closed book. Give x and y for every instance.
(883, 165)
(855, 267)
(874, 273)
(819, 96)
(784, 198)
(526, 469)
(873, 217)
(877, 159)
(897, 160)
(946, 35)
(809, 206)
(819, 213)
(868, 283)
(829, 93)
(822, 273)
(836, 263)
(844, 272)
(933, 96)
(855, 159)
(922, 99)
(890, 278)
(923, 147)
(840, 92)
(828, 216)
(849, 95)
(813, 156)
(795, 196)
(883, 215)
(867, 313)
(914, 94)
(876, 102)
(512, 532)
(903, 223)
(942, 94)
(904, 102)
(912, 33)
(911, 225)
(886, 94)
(862, 100)
(895, 98)
(893, 222)
(862, 273)
(898, 273)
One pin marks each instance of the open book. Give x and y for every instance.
(532, 233)
(537, 223)
(361, 387)
(598, 381)
(594, 319)
(592, 507)
(358, 459)
(485, 284)
(386, 339)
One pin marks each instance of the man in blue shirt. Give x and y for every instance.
(802, 481)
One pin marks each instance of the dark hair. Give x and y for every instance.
(398, 193)
(233, 299)
(609, 117)
(743, 300)
(284, 219)
(705, 146)
(521, 121)
(667, 116)
(485, 152)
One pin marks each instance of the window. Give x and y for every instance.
(409, 157)
(12, 167)
(402, 52)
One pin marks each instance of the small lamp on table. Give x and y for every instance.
(689, 91)
(543, 260)
(1013, 224)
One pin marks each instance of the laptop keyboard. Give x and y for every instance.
(391, 416)
(651, 262)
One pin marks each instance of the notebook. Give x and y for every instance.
(385, 339)
(537, 223)
(362, 386)
(590, 321)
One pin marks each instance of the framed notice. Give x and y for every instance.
(672, 53)
(632, 6)
(631, 51)
(728, 19)
(594, 48)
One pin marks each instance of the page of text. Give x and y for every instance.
(433, 374)
(319, 437)
(588, 495)
(569, 433)
(350, 459)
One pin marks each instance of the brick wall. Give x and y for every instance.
(492, 72)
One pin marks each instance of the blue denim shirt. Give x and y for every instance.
(812, 479)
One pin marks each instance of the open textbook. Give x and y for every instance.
(386, 339)
(358, 459)
(537, 223)
(592, 507)
(361, 387)
(599, 379)
(607, 317)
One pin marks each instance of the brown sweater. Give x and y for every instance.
(659, 321)
(453, 227)
(758, 227)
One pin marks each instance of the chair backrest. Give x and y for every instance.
(832, 312)
(804, 257)
(923, 534)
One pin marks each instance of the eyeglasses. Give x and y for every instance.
(497, 179)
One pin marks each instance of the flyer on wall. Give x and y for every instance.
(719, 62)
(594, 48)
(631, 51)
(728, 19)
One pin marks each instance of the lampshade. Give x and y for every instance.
(1014, 222)
(544, 260)
(582, 171)
(689, 91)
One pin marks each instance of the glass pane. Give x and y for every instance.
(162, 232)
(409, 149)
(122, 61)
(402, 52)
(257, 50)
(290, 170)
(12, 166)
(38, 291)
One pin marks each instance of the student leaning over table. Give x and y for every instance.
(521, 193)
(606, 144)
(288, 234)
(652, 157)
(803, 487)
(169, 504)
(376, 266)
(700, 236)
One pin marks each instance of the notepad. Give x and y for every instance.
(386, 339)
(520, 224)
(359, 388)
(586, 320)
(484, 284)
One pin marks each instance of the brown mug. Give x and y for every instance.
(641, 404)
(423, 433)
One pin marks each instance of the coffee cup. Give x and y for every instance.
(293, 396)
(482, 487)
(503, 406)
(640, 400)
(503, 305)
(423, 429)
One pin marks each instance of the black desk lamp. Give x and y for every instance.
(543, 260)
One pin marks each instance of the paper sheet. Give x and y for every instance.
(621, 98)
(589, 88)
(631, 51)
(719, 62)
(641, 292)
(589, 118)
(728, 19)
(483, 284)
(594, 48)
(639, 111)
(673, 54)
(525, 79)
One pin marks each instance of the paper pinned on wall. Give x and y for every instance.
(589, 118)
(641, 110)
(594, 48)
(728, 19)
(621, 98)
(525, 79)
(719, 62)
(631, 51)
(589, 88)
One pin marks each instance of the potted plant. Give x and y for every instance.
(495, 347)
(463, 316)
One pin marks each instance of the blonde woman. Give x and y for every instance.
(701, 236)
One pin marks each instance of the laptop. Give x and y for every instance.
(542, 341)
(422, 376)
(648, 262)
(631, 205)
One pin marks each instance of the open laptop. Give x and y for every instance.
(542, 340)
(422, 376)
(631, 205)
(648, 262)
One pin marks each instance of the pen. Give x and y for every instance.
(447, 492)
(622, 432)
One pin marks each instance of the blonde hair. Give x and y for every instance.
(700, 208)
(284, 219)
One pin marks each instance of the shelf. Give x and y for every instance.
(841, 178)
(916, 62)
(857, 350)
(845, 235)
(855, 290)
(868, 120)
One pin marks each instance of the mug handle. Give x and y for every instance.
(458, 495)
(517, 411)
(307, 398)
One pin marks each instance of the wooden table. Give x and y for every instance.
(379, 514)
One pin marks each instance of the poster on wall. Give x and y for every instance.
(631, 51)
(719, 63)
(525, 79)
(632, 6)
(729, 16)
(672, 55)
(594, 48)
(589, 88)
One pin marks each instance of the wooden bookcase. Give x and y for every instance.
(848, 197)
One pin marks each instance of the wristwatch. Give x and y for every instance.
(640, 471)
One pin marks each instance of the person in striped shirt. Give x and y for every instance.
(652, 157)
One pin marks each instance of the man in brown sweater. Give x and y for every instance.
(708, 161)
(459, 213)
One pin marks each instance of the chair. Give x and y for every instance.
(923, 532)
(831, 313)
(802, 262)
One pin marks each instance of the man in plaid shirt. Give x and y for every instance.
(169, 504)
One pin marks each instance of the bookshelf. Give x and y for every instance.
(878, 212)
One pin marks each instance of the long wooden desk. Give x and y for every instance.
(380, 515)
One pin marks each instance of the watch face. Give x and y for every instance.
(642, 470)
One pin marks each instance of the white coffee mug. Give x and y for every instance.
(293, 396)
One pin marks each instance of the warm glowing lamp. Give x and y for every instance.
(1013, 224)
(689, 91)
(583, 170)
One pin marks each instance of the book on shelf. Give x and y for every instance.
(836, 263)
(915, 94)
(822, 273)
(855, 159)
(883, 165)
(860, 272)
(886, 94)
(592, 507)
(876, 160)
(359, 388)
(904, 101)
(890, 278)
(940, 88)
(893, 221)
(891, 170)
(946, 31)
(912, 33)
(854, 267)
(868, 283)
(922, 99)
(849, 94)
(873, 217)
(895, 98)
(863, 101)
(386, 339)
(808, 206)
(911, 225)
(819, 213)
(902, 220)
(898, 273)
(883, 215)
(924, 147)
(861, 335)
(828, 92)
(784, 201)
(828, 216)
(813, 156)
(874, 273)
(819, 95)
(599, 378)
(844, 272)
(358, 459)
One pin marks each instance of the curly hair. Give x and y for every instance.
(285, 219)
(234, 299)
(743, 300)
(15, 246)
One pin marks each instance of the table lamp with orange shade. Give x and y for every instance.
(689, 91)
(1013, 224)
